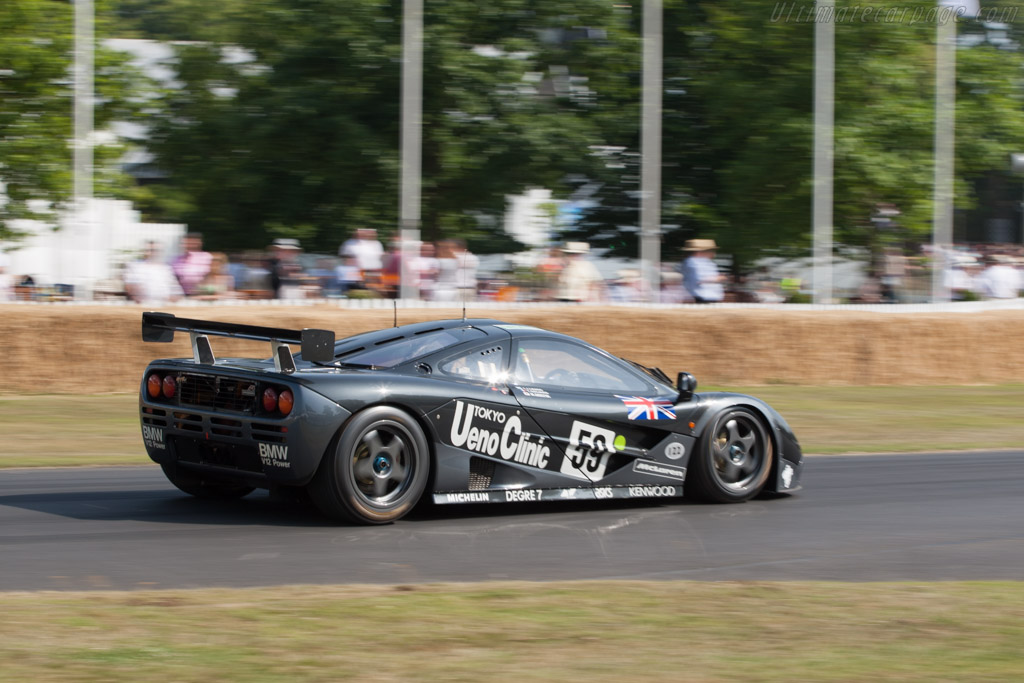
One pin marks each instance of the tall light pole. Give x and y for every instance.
(824, 146)
(650, 152)
(83, 106)
(945, 120)
(411, 152)
(82, 165)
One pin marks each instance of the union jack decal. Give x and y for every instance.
(647, 408)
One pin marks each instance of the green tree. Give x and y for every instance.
(300, 138)
(738, 126)
(303, 139)
(36, 108)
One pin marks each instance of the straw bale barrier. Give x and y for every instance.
(70, 349)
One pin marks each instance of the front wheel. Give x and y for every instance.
(734, 459)
(201, 487)
(377, 469)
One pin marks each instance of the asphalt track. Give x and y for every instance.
(859, 518)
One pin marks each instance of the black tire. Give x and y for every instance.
(196, 485)
(376, 469)
(734, 459)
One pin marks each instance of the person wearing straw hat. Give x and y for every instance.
(580, 280)
(701, 278)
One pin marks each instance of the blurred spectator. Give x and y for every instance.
(6, 282)
(218, 283)
(391, 269)
(149, 280)
(366, 249)
(870, 291)
(284, 268)
(238, 269)
(348, 276)
(894, 267)
(424, 269)
(959, 277)
(580, 280)
(252, 280)
(701, 278)
(999, 280)
(456, 276)
(550, 268)
(25, 288)
(466, 270)
(322, 276)
(626, 287)
(671, 287)
(193, 264)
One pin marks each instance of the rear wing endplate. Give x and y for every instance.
(317, 345)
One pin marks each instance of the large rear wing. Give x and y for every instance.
(317, 345)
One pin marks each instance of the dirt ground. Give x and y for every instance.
(73, 349)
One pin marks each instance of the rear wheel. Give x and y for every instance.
(734, 459)
(377, 469)
(196, 485)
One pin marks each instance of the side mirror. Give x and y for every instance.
(687, 384)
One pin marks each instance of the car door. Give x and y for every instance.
(610, 421)
(482, 427)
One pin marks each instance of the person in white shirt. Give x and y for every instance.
(424, 269)
(999, 280)
(580, 280)
(701, 278)
(456, 275)
(366, 249)
(150, 281)
(959, 278)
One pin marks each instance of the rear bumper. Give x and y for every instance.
(261, 450)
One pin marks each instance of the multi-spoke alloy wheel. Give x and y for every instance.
(382, 464)
(735, 458)
(377, 470)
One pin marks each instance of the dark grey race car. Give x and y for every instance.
(476, 411)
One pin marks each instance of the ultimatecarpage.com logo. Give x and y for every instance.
(952, 10)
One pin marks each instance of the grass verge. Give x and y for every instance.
(58, 430)
(564, 631)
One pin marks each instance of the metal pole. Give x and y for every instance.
(824, 125)
(945, 118)
(68, 255)
(412, 124)
(83, 111)
(650, 151)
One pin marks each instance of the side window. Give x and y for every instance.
(485, 365)
(551, 362)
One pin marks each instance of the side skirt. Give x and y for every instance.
(580, 493)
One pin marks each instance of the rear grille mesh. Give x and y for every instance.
(269, 432)
(218, 393)
(222, 426)
(188, 421)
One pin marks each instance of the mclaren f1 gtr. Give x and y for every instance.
(466, 411)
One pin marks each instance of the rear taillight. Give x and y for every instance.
(169, 385)
(269, 400)
(153, 385)
(285, 402)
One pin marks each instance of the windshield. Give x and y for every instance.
(392, 352)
